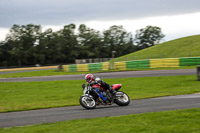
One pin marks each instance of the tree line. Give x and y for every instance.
(28, 45)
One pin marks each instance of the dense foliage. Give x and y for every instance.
(149, 36)
(28, 44)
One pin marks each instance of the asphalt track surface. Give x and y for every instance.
(77, 112)
(124, 74)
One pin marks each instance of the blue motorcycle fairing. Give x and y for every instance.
(101, 95)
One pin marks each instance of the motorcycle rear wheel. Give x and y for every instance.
(123, 100)
(87, 102)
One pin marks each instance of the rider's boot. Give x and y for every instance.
(113, 92)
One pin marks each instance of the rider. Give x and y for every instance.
(92, 80)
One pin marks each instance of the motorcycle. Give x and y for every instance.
(95, 95)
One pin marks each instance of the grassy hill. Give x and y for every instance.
(183, 47)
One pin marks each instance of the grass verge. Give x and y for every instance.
(55, 72)
(16, 96)
(179, 121)
(37, 73)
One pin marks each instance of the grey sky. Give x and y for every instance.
(55, 12)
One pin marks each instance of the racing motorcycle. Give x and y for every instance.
(95, 95)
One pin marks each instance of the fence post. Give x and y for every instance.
(198, 73)
(60, 68)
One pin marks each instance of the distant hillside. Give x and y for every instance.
(183, 47)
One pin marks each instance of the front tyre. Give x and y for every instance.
(87, 102)
(122, 99)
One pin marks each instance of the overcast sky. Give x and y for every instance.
(177, 18)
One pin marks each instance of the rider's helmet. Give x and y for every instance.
(89, 78)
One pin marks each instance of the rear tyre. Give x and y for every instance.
(87, 102)
(122, 99)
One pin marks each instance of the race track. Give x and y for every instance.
(124, 74)
(77, 112)
(22, 118)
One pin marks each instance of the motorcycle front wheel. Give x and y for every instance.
(87, 102)
(122, 99)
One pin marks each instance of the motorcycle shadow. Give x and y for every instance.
(106, 106)
(103, 107)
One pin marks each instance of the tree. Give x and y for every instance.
(41, 51)
(90, 43)
(116, 38)
(67, 44)
(149, 36)
(22, 39)
(1, 53)
(59, 46)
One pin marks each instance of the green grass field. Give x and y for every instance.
(38, 73)
(179, 121)
(183, 47)
(15, 96)
(55, 72)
